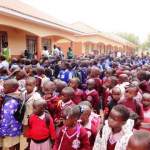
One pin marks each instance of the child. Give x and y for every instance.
(91, 94)
(51, 99)
(113, 100)
(116, 132)
(60, 85)
(78, 96)
(10, 127)
(4, 74)
(41, 129)
(95, 74)
(21, 76)
(29, 96)
(65, 74)
(130, 102)
(146, 111)
(41, 75)
(137, 121)
(90, 123)
(72, 135)
(64, 103)
(67, 96)
(140, 140)
(109, 83)
(123, 82)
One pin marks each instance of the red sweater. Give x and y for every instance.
(134, 106)
(110, 146)
(93, 97)
(67, 142)
(78, 97)
(52, 102)
(38, 129)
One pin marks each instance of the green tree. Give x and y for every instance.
(130, 37)
(146, 44)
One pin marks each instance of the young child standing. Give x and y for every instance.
(91, 94)
(64, 103)
(116, 132)
(95, 74)
(10, 127)
(113, 100)
(72, 136)
(146, 111)
(60, 85)
(65, 74)
(29, 96)
(41, 129)
(51, 99)
(90, 123)
(130, 102)
(78, 96)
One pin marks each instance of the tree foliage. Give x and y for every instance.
(146, 44)
(130, 37)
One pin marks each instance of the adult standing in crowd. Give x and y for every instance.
(70, 54)
(56, 51)
(6, 51)
(45, 52)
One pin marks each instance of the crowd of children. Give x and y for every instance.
(90, 103)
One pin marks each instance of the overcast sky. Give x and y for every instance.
(105, 15)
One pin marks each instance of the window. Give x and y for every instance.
(3, 39)
(31, 44)
(47, 43)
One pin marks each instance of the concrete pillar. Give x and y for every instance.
(39, 47)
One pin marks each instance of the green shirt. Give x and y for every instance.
(70, 54)
(6, 53)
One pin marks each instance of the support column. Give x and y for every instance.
(39, 47)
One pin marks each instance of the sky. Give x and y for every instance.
(113, 16)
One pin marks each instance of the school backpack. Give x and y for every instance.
(47, 119)
(19, 114)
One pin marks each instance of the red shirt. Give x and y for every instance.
(93, 97)
(98, 85)
(52, 102)
(78, 96)
(66, 143)
(110, 146)
(134, 106)
(38, 129)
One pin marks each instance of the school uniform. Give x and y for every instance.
(98, 85)
(40, 140)
(78, 96)
(110, 146)
(134, 106)
(65, 105)
(65, 75)
(92, 127)
(71, 139)
(93, 97)
(29, 98)
(52, 104)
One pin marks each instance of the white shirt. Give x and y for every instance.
(4, 64)
(56, 52)
(45, 53)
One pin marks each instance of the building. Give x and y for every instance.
(25, 27)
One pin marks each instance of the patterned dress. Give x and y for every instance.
(9, 126)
